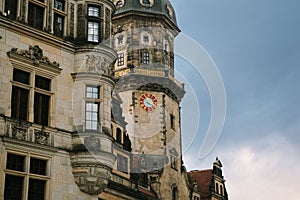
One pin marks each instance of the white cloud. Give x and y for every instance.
(267, 170)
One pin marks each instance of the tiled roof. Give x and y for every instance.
(203, 179)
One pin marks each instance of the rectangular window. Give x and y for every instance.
(93, 31)
(145, 57)
(92, 108)
(122, 163)
(92, 92)
(15, 181)
(59, 5)
(36, 189)
(93, 11)
(15, 162)
(146, 39)
(38, 166)
(19, 103)
(35, 16)
(13, 187)
(58, 25)
(41, 108)
(11, 9)
(173, 162)
(121, 59)
(21, 76)
(91, 112)
(172, 121)
(42, 83)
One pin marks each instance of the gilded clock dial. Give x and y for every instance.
(148, 102)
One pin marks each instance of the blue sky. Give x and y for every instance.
(256, 47)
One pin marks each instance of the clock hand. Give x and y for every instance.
(150, 102)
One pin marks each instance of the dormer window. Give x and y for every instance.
(119, 4)
(146, 2)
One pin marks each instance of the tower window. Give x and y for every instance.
(59, 5)
(92, 108)
(145, 57)
(119, 4)
(11, 8)
(217, 188)
(121, 59)
(35, 15)
(146, 39)
(146, 2)
(122, 163)
(93, 11)
(174, 193)
(172, 121)
(58, 25)
(93, 31)
(119, 135)
(120, 39)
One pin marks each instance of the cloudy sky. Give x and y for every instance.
(256, 47)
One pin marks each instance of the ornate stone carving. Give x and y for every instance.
(98, 64)
(42, 137)
(92, 144)
(35, 53)
(107, 23)
(72, 18)
(19, 133)
(91, 180)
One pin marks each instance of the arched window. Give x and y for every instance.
(221, 190)
(174, 192)
(146, 2)
(119, 4)
(119, 135)
(217, 188)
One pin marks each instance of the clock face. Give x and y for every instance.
(148, 102)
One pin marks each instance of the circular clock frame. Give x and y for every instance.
(148, 102)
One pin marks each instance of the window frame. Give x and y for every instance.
(37, 4)
(26, 174)
(33, 90)
(95, 36)
(92, 101)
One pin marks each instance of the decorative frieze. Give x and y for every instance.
(35, 54)
(98, 64)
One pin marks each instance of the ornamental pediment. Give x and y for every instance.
(34, 55)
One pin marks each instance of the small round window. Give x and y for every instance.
(147, 3)
(119, 3)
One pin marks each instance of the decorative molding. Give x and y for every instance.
(19, 133)
(92, 143)
(35, 54)
(42, 137)
(99, 64)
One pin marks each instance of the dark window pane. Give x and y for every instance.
(15, 162)
(38, 166)
(36, 189)
(43, 83)
(21, 76)
(58, 25)
(59, 4)
(35, 16)
(41, 108)
(19, 103)
(119, 135)
(13, 187)
(11, 8)
(122, 163)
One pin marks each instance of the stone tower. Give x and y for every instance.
(143, 36)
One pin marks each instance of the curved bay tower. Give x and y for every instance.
(90, 107)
